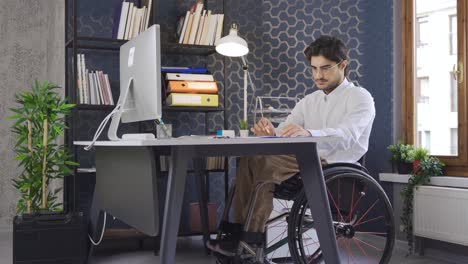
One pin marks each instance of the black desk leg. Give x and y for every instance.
(173, 204)
(203, 199)
(316, 192)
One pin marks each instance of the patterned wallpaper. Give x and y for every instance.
(31, 47)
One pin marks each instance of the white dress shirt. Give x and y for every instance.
(347, 113)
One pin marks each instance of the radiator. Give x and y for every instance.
(441, 213)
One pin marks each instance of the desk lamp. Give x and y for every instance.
(234, 46)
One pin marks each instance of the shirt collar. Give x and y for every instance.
(345, 83)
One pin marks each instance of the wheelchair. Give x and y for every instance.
(362, 218)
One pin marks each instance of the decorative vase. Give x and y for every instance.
(404, 168)
(243, 132)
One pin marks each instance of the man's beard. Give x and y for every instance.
(330, 87)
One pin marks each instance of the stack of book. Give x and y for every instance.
(190, 89)
(199, 26)
(93, 87)
(131, 17)
(215, 163)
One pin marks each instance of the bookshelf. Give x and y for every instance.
(102, 51)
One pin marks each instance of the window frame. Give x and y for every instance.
(455, 165)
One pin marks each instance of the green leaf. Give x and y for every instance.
(58, 130)
(72, 163)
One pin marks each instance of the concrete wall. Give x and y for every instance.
(31, 47)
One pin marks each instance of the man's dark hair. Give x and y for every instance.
(329, 47)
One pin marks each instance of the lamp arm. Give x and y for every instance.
(249, 78)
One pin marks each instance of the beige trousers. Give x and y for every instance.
(250, 172)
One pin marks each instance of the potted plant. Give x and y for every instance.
(39, 122)
(243, 128)
(419, 155)
(402, 156)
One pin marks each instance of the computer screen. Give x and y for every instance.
(140, 81)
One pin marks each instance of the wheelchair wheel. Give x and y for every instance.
(362, 219)
(277, 250)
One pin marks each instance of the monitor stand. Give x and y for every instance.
(114, 125)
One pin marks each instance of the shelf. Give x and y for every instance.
(94, 107)
(192, 109)
(165, 108)
(94, 43)
(175, 48)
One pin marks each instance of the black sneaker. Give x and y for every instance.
(227, 246)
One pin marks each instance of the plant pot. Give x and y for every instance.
(50, 238)
(416, 164)
(404, 168)
(243, 132)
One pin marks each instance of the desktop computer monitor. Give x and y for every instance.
(140, 82)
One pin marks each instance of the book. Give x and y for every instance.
(206, 24)
(188, 29)
(149, 8)
(92, 94)
(84, 80)
(184, 69)
(143, 19)
(219, 27)
(109, 90)
(123, 20)
(128, 24)
(212, 29)
(136, 22)
(184, 99)
(192, 87)
(79, 79)
(99, 86)
(189, 77)
(195, 23)
(96, 89)
(200, 28)
(184, 27)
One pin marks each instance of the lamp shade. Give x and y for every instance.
(232, 45)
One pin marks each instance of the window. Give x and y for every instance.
(433, 102)
(422, 31)
(422, 90)
(453, 94)
(453, 141)
(453, 34)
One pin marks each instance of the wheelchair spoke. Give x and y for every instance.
(370, 220)
(360, 248)
(352, 201)
(336, 206)
(371, 233)
(367, 244)
(368, 210)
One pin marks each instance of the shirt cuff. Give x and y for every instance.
(316, 133)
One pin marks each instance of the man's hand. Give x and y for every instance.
(263, 128)
(293, 130)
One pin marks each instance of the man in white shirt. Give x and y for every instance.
(338, 108)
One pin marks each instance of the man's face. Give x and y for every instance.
(327, 74)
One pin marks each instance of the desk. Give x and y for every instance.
(126, 182)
